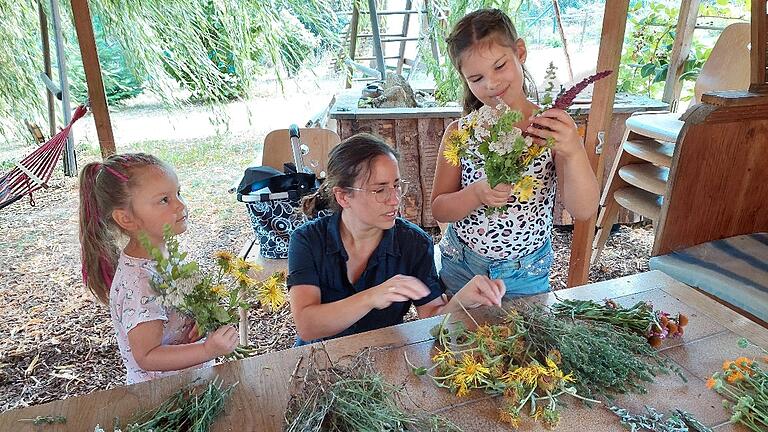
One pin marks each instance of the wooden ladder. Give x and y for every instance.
(379, 39)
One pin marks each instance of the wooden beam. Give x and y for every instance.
(611, 41)
(759, 45)
(96, 94)
(48, 70)
(686, 22)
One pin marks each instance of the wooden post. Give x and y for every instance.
(686, 21)
(611, 41)
(47, 67)
(353, 23)
(759, 46)
(96, 95)
(561, 30)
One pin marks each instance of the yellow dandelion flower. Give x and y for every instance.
(271, 293)
(255, 267)
(220, 290)
(462, 390)
(470, 371)
(240, 265)
(244, 279)
(224, 255)
(445, 356)
(455, 145)
(524, 188)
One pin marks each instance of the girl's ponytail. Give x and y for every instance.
(97, 243)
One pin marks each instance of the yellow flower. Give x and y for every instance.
(271, 293)
(244, 279)
(455, 145)
(470, 371)
(240, 265)
(512, 418)
(224, 255)
(220, 290)
(524, 188)
(445, 356)
(463, 390)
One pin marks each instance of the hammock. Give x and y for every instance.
(34, 171)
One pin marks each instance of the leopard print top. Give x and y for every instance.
(525, 226)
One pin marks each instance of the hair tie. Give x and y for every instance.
(120, 176)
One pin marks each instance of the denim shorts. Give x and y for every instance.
(523, 276)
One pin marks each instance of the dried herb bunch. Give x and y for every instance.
(193, 408)
(353, 398)
(605, 360)
(655, 325)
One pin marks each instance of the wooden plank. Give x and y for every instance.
(406, 24)
(730, 145)
(406, 139)
(759, 45)
(430, 134)
(734, 98)
(686, 21)
(611, 41)
(96, 95)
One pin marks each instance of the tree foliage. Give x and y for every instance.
(216, 49)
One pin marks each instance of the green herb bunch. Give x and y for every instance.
(189, 409)
(640, 318)
(353, 398)
(604, 359)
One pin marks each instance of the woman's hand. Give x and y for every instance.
(481, 290)
(557, 124)
(222, 341)
(492, 197)
(398, 288)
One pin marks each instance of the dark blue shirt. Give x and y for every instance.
(316, 256)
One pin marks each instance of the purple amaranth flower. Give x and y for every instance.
(566, 99)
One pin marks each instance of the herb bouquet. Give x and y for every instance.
(744, 384)
(212, 300)
(505, 149)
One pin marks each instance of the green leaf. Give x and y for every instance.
(647, 70)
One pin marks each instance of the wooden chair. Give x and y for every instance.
(277, 148)
(638, 180)
(276, 152)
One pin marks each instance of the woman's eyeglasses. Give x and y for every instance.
(384, 194)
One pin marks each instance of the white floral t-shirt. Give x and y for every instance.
(132, 301)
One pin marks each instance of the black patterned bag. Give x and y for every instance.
(274, 214)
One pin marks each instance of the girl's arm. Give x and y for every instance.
(581, 192)
(449, 201)
(150, 354)
(315, 320)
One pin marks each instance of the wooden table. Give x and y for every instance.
(259, 401)
(416, 134)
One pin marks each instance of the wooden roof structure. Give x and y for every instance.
(612, 37)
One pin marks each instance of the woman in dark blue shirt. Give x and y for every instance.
(362, 267)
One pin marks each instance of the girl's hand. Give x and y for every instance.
(221, 342)
(481, 290)
(557, 124)
(492, 197)
(398, 288)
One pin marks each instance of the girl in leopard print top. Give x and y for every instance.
(513, 246)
